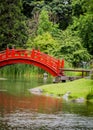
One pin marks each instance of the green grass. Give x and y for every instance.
(78, 88)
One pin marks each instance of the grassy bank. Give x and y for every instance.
(78, 88)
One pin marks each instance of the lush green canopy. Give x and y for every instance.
(12, 24)
(62, 28)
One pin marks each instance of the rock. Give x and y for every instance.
(65, 96)
(79, 100)
(36, 91)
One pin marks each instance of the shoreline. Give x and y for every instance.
(39, 91)
(79, 90)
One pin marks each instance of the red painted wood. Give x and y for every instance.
(33, 57)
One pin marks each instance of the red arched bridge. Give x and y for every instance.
(33, 57)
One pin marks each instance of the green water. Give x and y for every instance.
(21, 110)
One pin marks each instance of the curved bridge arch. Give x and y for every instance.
(33, 57)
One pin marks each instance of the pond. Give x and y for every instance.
(21, 110)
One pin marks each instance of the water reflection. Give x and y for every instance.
(20, 110)
(43, 104)
(83, 109)
(23, 112)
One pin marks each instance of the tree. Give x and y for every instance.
(80, 7)
(12, 24)
(71, 48)
(30, 7)
(61, 12)
(86, 31)
(45, 25)
(83, 22)
(46, 43)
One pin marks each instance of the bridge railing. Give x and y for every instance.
(34, 55)
(45, 59)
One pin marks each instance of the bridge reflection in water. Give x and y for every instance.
(36, 103)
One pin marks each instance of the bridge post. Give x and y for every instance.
(62, 63)
(62, 66)
(58, 67)
(38, 52)
(33, 53)
(7, 52)
(13, 51)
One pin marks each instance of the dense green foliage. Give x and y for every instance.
(69, 25)
(83, 22)
(59, 10)
(12, 24)
(61, 28)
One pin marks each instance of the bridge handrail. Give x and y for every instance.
(36, 57)
(49, 60)
(35, 54)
